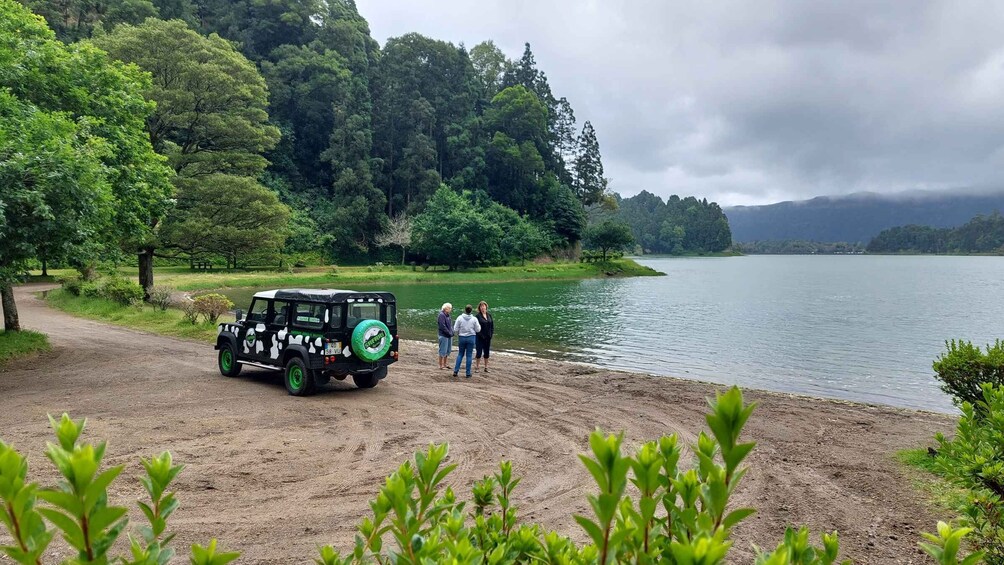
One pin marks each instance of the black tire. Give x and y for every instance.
(227, 361)
(298, 378)
(366, 380)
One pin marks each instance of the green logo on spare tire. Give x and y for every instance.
(371, 340)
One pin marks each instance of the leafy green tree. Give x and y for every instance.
(304, 82)
(490, 66)
(210, 117)
(226, 215)
(453, 231)
(73, 20)
(608, 236)
(523, 240)
(44, 79)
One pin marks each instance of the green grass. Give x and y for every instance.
(14, 345)
(170, 322)
(184, 279)
(928, 479)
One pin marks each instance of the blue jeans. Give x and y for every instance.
(465, 348)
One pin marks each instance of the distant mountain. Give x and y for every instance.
(857, 217)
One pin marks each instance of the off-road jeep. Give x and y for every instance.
(312, 335)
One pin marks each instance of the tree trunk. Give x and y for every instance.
(11, 323)
(402, 255)
(45, 270)
(146, 271)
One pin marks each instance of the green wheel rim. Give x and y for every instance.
(227, 360)
(296, 377)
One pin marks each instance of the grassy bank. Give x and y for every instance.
(927, 478)
(170, 322)
(14, 345)
(184, 279)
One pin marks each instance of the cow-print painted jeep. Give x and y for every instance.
(312, 335)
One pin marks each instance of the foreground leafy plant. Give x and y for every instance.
(79, 509)
(964, 368)
(974, 459)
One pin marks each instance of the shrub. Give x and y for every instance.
(974, 459)
(190, 311)
(71, 284)
(79, 507)
(91, 289)
(212, 306)
(161, 296)
(121, 290)
(964, 368)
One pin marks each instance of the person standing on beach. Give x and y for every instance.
(445, 334)
(466, 327)
(483, 343)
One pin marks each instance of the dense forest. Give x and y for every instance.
(285, 128)
(798, 247)
(982, 234)
(856, 217)
(675, 226)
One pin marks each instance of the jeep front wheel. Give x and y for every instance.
(299, 380)
(229, 367)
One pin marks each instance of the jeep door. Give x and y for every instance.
(254, 327)
(278, 320)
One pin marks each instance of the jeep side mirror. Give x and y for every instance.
(240, 314)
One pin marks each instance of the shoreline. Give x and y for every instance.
(206, 334)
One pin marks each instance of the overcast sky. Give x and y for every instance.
(755, 102)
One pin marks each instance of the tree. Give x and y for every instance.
(76, 169)
(210, 117)
(226, 215)
(589, 182)
(490, 66)
(398, 234)
(524, 239)
(609, 235)
(452, 231)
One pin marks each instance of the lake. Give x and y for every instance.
(862, 328)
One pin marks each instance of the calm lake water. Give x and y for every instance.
(862, 328)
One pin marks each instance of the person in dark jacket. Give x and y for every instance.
(483, 344)
(445, 335)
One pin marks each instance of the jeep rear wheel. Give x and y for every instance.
(367, 380)
(299, 380)
(229, 367)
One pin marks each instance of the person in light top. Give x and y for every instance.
(466, 328)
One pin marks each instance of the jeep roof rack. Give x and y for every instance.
(325, 295)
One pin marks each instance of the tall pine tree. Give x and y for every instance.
(590, 185)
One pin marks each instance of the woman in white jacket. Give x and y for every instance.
(465, 328)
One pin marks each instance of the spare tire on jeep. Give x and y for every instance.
(371, 340)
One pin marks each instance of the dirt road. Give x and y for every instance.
(275, 476)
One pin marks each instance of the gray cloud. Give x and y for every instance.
(751, 102)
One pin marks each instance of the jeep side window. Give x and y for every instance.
(309, 316)
(337, 316)
(359, 311)
(258, 312)
(391, 315)
(280, 310)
